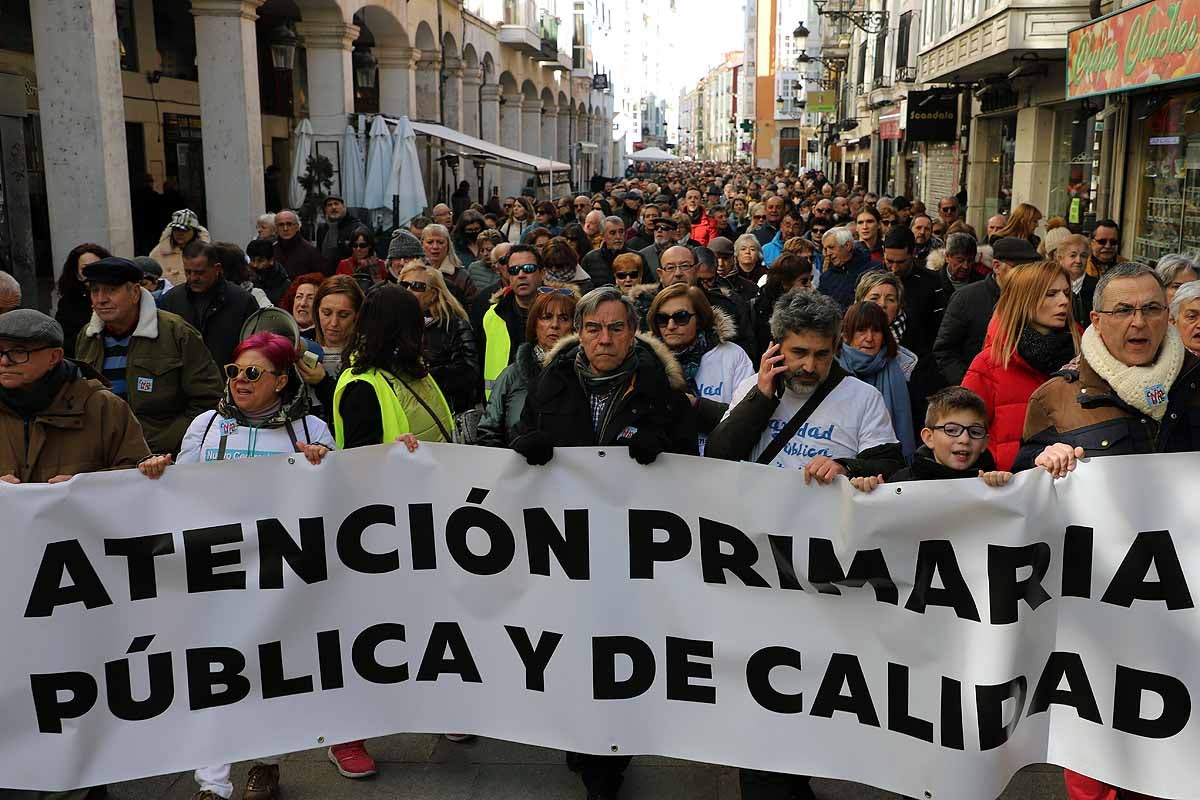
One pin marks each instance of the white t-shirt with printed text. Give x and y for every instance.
(851, 419)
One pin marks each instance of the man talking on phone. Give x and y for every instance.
(802, 410)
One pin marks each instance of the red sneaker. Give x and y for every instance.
(352, 760)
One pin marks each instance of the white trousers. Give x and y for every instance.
(215, 778)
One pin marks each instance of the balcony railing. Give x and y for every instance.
(862, 89)
(548, 31)
(906, 74)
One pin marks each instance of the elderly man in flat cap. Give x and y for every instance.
(57, 418)
(154, 360)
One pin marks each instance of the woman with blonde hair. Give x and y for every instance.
(1022, 223)
(439, 254)
(449, 349)
(520, 219)
(1031, 336)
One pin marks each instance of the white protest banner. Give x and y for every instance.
(929, 638)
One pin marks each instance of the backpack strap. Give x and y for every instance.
(800, 417)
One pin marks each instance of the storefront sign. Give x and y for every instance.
(932, 116)
(889, 127)
(822, 102)
(1154, 42)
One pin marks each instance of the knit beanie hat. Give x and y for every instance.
(1053, 238)
(404, 246)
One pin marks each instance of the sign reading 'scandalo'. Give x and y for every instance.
(932, 116)
(1153, 42)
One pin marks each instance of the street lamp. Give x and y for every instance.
(869, 22)
(800, 35)
(364, 67)
(283, 48)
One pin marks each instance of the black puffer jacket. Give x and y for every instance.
(964, 327)
(453, 360)
(653, 405)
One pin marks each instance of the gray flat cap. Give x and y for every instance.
(28, 325)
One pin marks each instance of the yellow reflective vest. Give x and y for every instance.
(396, 419)
(497, 347)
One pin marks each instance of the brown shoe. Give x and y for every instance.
(262, 783)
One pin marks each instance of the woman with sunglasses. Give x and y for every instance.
(550, 320)
(701, 339)
(449, 352)
(263, 412)
(363, 264)
(628, 272)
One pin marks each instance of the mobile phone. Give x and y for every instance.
(310, 359)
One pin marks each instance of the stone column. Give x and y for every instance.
(83, 124)
(1033, 156)
(564, 137)
(531, 127)
(510, 136)
(489, 125)
(395, 80)
(231, 124)
(471, 79)
(428, 63)
(550, 133)
(330, 76)
(452, 104)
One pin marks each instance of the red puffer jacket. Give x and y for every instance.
(1006, 393)
(1081, 787)
(705, 230)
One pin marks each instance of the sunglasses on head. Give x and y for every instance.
(555, 290)
(680, 318)
(517, 269)
(413, 286)
(624, 276)
(252, 373)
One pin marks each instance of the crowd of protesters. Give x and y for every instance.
(710, 310)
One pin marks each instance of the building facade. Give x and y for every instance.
(192, 97)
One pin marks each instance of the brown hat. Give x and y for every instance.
(721, 246)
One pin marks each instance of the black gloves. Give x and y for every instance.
(644, 448)
(537, 447)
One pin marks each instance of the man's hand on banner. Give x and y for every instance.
(868, 484)
(1059, 459)
(10, 478)
(996, 478)
(409, 441)
(824, 469)
(153, 467)
(60, 479)
(537, 447)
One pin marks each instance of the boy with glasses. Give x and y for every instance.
(955, 440)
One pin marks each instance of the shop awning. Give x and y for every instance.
(468, 145)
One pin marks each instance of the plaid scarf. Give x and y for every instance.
(899, 325)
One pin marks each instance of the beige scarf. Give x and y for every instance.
(1145, 388)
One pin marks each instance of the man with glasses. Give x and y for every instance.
(948, 210)
(152, 358)
(664, 237)
(1106, 244)
(55, 420)
(505, 321)
(791, 225)
(296, 253)
(582, 204)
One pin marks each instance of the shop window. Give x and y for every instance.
(1001, 145)
(1166, 182)
(16, 30)
(1073, 169)
(175, 39)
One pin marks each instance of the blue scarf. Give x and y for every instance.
(885, 375)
